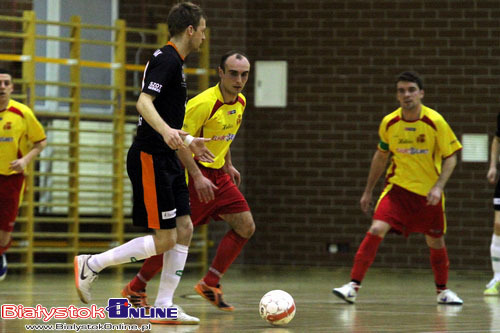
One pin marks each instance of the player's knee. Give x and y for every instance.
(247, 229)
(376, 231)
(165, 241)
(497, 227)
(4, 238)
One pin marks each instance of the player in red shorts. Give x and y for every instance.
(215, 113)
(21, 139)
(423, 148)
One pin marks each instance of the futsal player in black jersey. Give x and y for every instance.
(160, 194)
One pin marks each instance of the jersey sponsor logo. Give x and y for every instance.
(227, 126)
(157, 52)
(403, 141)
(169, 214)
(411, 129)
(227, 137)
(6, 139)
(7, 126)
(412, 151)
(231, 112)
(421, 138)
(155, 86)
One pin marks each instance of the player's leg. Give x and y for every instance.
(493, 287)
(242, 228)
(229, 248)
(363, 259)
(440, 267)
(11, 190)
(88, 266)
(231, 207)
(5, 241)
(174, 261)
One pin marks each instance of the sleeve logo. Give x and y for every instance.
(155, 86)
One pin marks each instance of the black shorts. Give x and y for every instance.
(159, 189)
(496, 198)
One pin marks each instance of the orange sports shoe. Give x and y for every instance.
(137, 298)
(213, 295)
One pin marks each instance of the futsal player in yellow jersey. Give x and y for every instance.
(215, 114)
(423, 148)
(21, 139)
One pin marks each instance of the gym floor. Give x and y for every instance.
(389, 301)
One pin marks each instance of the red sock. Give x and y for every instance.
(229, 248)
(440, 265)
(3, 249)
(365, 256)
(150, 268)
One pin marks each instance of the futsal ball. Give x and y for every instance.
(277, 307)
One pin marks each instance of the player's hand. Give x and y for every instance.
(434, 196)
(205, 189)
(234, 174)
(172, 138)
(492, 175)
(18, 165)
(201, 151)
(366, 203)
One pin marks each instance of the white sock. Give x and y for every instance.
(495, 256)
(136, 249)
(173, 266)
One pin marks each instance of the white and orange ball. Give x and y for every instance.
(277, 307)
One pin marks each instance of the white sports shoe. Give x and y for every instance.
(182, 318)
(84, 277)
(347, 292)
(448, 297)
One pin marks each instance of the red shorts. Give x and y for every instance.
(10, 195)
(408, 212)
(228, 198)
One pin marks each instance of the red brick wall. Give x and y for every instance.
(307, 163)
(305, 166)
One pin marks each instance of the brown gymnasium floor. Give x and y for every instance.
(389, 301)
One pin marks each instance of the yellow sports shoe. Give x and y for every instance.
(493, 288)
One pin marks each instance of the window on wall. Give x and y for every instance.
(96, 12)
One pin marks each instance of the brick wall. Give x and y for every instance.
(305, 165)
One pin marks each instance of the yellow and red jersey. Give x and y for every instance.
(418, 148)
(19, 129)
(208, 116)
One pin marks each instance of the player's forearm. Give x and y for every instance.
(446, 171)
(494, 152)
(227, 158)
(37, 149)
(377, 168)
(186, 157)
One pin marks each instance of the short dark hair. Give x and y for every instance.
(239, 55)
(5, 71)
(410, 77)
(182, 15)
